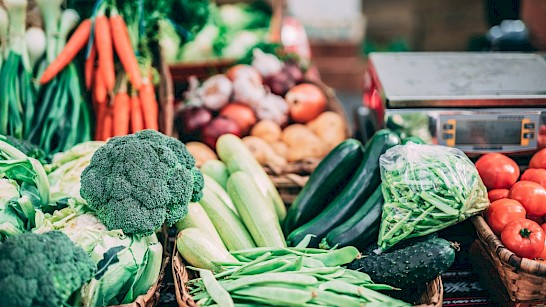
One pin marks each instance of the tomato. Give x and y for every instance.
(531, 195)
(306, 102)
(538, 160)
(543, 254)
(502, 211)
(537, 175)
(497, 171)
(497, 194)
(524, 238)
(241, 114)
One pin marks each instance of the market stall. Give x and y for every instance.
(189, 150)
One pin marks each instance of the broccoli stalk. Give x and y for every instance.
(138, 182)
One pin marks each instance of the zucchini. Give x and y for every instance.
(199, 250)
(217, 189)
(198, 218)
(263, 225)
(238, 157)
(361, 229)
(230, 228)
(217, 170)
(361, 186)
(326, 181)
(408, 266)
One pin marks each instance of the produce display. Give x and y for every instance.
(281, 116)
(517, 208)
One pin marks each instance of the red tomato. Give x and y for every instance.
(502, 211)
(306, 102)
(524, 238)
(497, 171)
(538, 160)
(537, 175)
(497, 194)
(241, 114)
(542, 256)
(531, 195)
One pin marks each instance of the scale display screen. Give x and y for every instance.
(488, 132)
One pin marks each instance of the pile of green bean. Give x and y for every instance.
(427, 188)
(289, 277)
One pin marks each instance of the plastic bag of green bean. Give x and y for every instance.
(426, 188)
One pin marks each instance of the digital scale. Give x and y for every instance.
(477, 102)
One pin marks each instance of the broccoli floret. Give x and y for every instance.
(139, 181)
(28, 148)
(42, 270)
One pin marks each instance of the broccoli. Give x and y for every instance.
(42, 270)
(28, 148)
(139, 181)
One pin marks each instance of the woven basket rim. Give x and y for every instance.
(494, 245)
(434, 292)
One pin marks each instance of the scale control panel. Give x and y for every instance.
(489, 132)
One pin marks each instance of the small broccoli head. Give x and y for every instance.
(139, 181)
(42, 270)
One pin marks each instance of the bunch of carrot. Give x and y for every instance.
(125, 101)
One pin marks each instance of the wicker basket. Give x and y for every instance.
(151, 298)
(520, 280)
(431, 296)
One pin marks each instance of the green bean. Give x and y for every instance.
(291, 266)
(244, 266)
(305, 242)
(335, 299)
(309, 262)
(278, 294)
(266, 266)
(216, 292)
(339, 257)
(268, 278)
(357, 275)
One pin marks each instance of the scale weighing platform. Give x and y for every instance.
(477, 102)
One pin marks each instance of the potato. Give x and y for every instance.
(330, 128)
(309, 147)
(201, 152)
(280, 148)
(295, 133)
(263, 152)
(267, 130)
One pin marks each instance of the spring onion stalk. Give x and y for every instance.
(51, 14)
(4, 22)
(69, 20)
(35, 39)
(17, 16)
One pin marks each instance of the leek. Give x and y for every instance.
(51, 13)
(36, 44)
(17, 15)
(4, 20)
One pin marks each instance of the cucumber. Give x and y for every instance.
(217, 170)
(326, 181)
(198, 218)
(198, 249)
(230, 228)
(262, 224)
(409, 266)
(237, 157)
(361, 229)
(361, 186)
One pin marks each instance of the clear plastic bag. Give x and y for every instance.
(426, 188)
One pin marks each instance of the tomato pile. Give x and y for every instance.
(518, 203)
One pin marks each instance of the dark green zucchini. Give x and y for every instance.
(361, 229)
(326, 181)
(410, 266)
(361, 186)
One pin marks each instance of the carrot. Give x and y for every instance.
(99, 122)
(124, 49)
(122, 113)
(72, 47)
(99, 91)
(148, 104)
(108, 122)
(136, 115)
(90, 67)
(103, 41)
